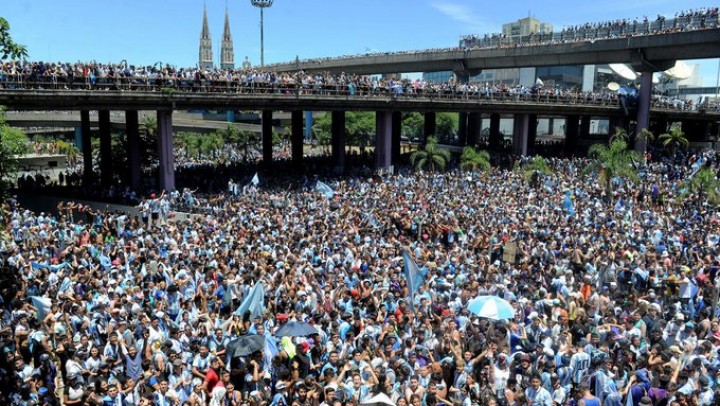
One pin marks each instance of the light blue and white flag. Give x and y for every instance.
(414, 277)
(43, 306)
(324, 189)
(254, 303)
(255, 180)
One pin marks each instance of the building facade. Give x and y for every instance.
(526, 26)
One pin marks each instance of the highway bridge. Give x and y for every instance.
(576, 108)
(656, 52)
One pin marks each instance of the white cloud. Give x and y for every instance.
(464, 15)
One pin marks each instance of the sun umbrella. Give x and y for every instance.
(296, 329)
(491, 307)
(245, 345)
(380, 399)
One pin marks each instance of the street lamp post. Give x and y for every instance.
(262, 5)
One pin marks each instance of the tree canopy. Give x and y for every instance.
(8, 47)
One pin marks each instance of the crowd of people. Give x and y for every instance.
(46, 75)
(357, 292)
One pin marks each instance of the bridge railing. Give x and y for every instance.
(345, 91)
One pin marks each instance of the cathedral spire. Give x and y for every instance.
(206, 59)
(227, 54)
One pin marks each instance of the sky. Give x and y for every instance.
(144, 32)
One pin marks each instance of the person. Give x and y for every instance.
(536, 394)
(214, 386)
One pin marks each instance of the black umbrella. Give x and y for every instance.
(296, 329)
(245, 345)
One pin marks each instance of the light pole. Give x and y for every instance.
(262, 5)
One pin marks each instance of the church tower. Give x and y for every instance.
(206, 56)
(227, 54)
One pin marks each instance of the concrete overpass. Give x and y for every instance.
(654, 52)
(71, 120)
(115, 106)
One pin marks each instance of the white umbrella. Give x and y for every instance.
(624, 71)
(491, 307)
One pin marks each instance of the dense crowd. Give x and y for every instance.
(358, 291)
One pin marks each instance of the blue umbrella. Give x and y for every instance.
(296, 329)
(491, 307)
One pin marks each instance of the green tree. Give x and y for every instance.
(8, 47)
(322, 131)
(473, 159)
(13, 143)
(534, 170)
(241, 139)
(431, 157)
(613, 161)
(446, 126)
(673, 140)
(360, 128)
(705, 185)
(413, 125)
(148, 126)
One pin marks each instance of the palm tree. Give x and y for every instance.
(534, 169)
(705, 184)
(430, 156)
(647, 137)
(674, 139)
(620, 134)
(613, 161)
(473, 159)
(149, 126)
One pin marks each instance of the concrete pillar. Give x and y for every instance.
(337, 127)
(308, 125)
(165, 149)
(532, 133)
(267, 144)
(383, 139)
(551, 126)
(495, 138)
(473, 128)
(572, 133)
(584, 127)
(521, 125)
(297, 136)
(462, 129)
(133, 147)
(643, 113)
(86, 146)
(106, 175)
(396, 137)
(78, 137)
(429, 126)
(461, 77)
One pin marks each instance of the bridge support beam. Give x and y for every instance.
(308, 125)
(532, 133)
(521, 126)
(584, 127)
(165, 149)
(337, 127)
(396, 137)
(495, 139)
(267, 141)
(572, 133)
(429, 126)
(133, 147)
(297, 137)
(86, 147)
(462, 129)
(383, 139)
(473, 128)
(106, 175)
(643, 113)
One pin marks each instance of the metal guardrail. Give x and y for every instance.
(407, 92)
